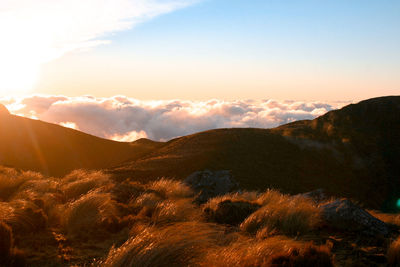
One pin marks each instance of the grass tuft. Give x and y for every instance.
(180, 244)
(284, 214)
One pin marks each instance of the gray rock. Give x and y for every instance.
(317, 196)
(346, 216)
(208, 184)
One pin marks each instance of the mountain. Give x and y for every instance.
(54, 150)
(352, 152)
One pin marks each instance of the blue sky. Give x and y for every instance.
(236, 49)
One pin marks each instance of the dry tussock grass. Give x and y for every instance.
(6, 242)
(146, 202)
(23, 216)
(393, 253)
(181, 210)
(393, 219)
(90, 213)
(157, 223)
(171, 189)
(180, 244)
(246, 196)
(278, 213)
(274, 251)
(284, 214)
(80, 182)
(11, 180)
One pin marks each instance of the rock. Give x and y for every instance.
(232, 212)
(344, 215)
(317, 196)
(208, 184)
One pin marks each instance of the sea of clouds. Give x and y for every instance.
(127, 119)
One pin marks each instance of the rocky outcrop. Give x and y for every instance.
(208, 184)
(231, 212)
(344, 215)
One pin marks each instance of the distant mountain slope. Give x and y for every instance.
(370, 130)
(48, 148)
(350, 152)
(353, 152)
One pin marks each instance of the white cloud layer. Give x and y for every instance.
(38, 31)
(126, 119)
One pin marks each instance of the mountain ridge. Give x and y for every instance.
(351, 152)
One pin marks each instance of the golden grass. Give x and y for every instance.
(393, 253)
(11, 180)
(393, 219)
(274, 251)
(181, 210)
(6, 242)
(23, 216)
(180, 244)
(246, 196)
(90, 213)
(171, 188)
(284, 214)
(154, 224)
(80, 182)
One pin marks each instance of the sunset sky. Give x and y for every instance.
(229, 49)
(188, 52)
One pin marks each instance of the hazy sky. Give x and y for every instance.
(197, 50)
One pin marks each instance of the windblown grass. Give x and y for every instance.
(274, 251)
(6, 243)
(180, 244)
(90, 213)
(393, 253)
(23, 216)
(80, 182)
(181, 210)
(284, 214)
(246, 196)
(171, 188)
(393, 219)
(11, 180)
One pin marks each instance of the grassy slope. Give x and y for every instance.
(55, 150)
(351, 152)
(89, 217)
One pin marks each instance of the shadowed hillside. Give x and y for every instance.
(35, 145)
(124, 215)
(351, 152)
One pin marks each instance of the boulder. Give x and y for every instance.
(231, 212)
(208, 184)
(344, 215)
(317, 196)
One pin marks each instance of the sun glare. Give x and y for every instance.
(16, 79)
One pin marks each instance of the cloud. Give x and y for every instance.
(127, 119)
(38, 31)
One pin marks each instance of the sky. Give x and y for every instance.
(226, 49)
(171, 58)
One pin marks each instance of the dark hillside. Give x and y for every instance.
(35, 145)
(351, 152)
